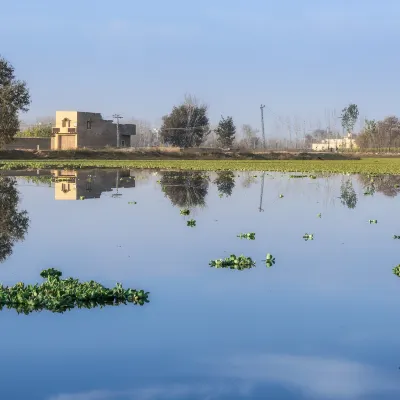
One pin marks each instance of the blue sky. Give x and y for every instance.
(139, 58)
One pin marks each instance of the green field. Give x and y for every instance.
(366, 165)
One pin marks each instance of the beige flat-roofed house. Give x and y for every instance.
(77, 129)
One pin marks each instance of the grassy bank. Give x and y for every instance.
(367, 165)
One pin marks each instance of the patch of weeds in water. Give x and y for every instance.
(59, 295)
(281, 196)
(249, 236)
(191, 223)
(233, 262)
(396, 270)
(185, 212)
(82, 198)
(220, 195)
(298, 176)
(132, 202)
(373, 221)
(313, 177)
(269, 260)
(319, 215)
(308, 236)
(396, 236)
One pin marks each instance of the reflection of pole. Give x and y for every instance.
(262, 192)
(262, 124)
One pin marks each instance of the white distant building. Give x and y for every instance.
(335, 144)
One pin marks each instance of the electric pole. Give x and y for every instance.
(117, 117)
(262, 124)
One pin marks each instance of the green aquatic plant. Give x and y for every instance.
(396, 270)
(220, 195)
(269, 260)
(60, 295)
(298, 176)
(185, 212)
(373, 221)
(191, 223)
(281, 196)
(319, 215)
(233, 262)
(308, 236)
(249, 236)
(132, 202)
(313, 177)
(396, 237)
(82, 198)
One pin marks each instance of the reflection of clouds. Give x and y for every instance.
(316, 376)
(167, 392)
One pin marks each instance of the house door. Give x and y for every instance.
(66, 142)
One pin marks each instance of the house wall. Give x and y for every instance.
(29, 144)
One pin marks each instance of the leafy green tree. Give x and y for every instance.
(185, 189)
(225, 182)
(13, 223)
(36, 131)
(349, 117)
(187, 125)
(348, 196)
(226, 131)
(14, 98)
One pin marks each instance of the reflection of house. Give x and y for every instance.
(335, 144)
(89, 184)
(76, 129)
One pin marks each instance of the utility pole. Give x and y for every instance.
(117, 117)
(262, 124)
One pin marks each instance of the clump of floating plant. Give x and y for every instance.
(313, 177)
(396, 270)
(249, 236)
(369, 192)
(319, 215)
(220, 195)
(396, 236)
(185, 212)
(233, 262)
(132, 202)
(281, 196)
(373, 221)
(269, 260)
(191, 223)
(59, 295)
(308, 236)
(82, 198)
(298, 176)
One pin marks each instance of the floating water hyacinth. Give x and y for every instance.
(132, 202)
(249, 236)
(220, 195)
(308, 236)
(191, 223)
(60, 295)
(298, 176)
(396, 270)
(185, 212)
(319, 215)
(396, 236)
(269, 260)
(281, 196)
(82, 198)
(233, 262)
(373, 221)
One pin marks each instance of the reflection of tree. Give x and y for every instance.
(389, 185)
(184, 188)
(225, 182)
(348, 196)
(13, 223)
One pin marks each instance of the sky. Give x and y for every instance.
(139, 58)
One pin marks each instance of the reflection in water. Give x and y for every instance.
(348, 196)
(389, 185)
(13, 223)
(185, 188)
(225, 182)
(89, 184)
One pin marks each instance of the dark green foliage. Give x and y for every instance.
(60, 295)
(396, 270)
(225, 182)
(269, 260)
(226, 131)
(37, 131)
(185, 189)
(191, 223)
(13, 223)
(349, 117)
(308, 236)
(185, 212)
(348, 196)
(186, 126)
(233, 262)
(14, 98)
(249, 236)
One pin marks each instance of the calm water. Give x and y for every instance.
(322, 323)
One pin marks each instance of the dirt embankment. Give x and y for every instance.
(188, 154)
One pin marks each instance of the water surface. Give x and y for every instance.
(322, 323)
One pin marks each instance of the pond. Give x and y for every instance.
(321, 322)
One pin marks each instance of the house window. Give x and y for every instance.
(89, 124)
(66, 123)
(123, 143)
(65, 187)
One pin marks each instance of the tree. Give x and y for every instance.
(226, 131)
(348, 196)
(14, 98)
(251, 140)
(385, 133)
(349, 117)
(38, 130)
(185, 189)
(13, 223)
(187, 125)
(225, 182)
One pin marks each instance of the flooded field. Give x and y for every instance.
(309, 311)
